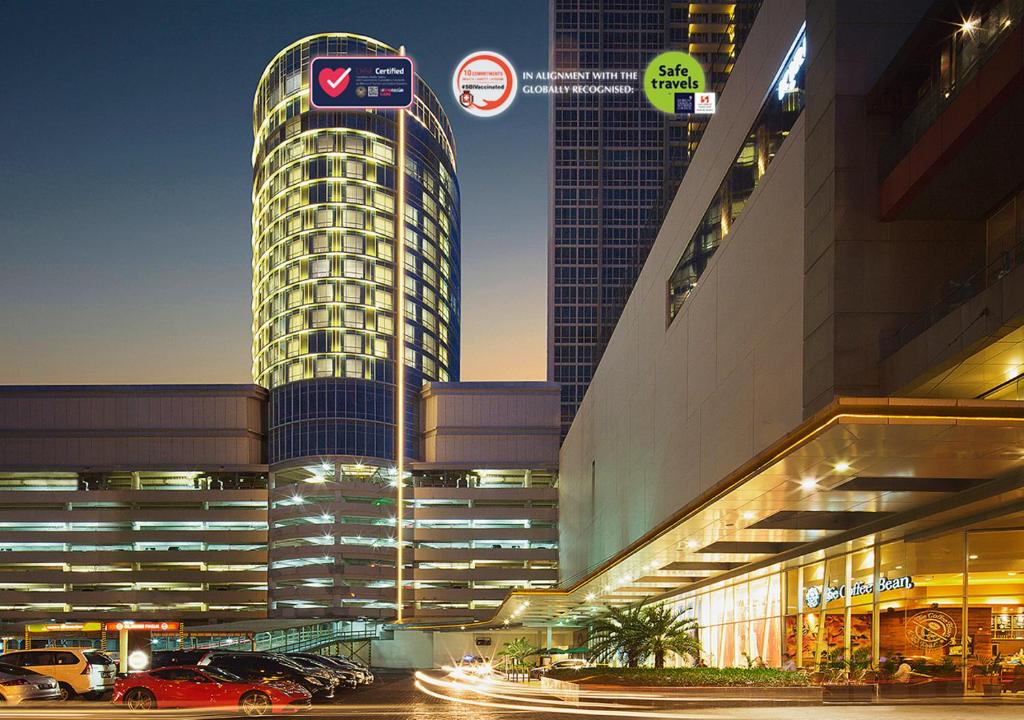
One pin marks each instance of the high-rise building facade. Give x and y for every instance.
(617, 162)
(355, 304)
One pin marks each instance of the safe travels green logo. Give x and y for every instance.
(671, 73)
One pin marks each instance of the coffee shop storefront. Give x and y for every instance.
(947, 604)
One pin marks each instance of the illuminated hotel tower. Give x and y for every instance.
(348, 323)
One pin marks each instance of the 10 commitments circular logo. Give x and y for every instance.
(485, 83)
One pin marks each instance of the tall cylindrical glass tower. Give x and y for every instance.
(355, 303)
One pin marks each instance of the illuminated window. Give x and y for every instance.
(383, 152)
(295, 248)
(385, 324)
(324, 292)
(321, 243)
(320, 268)
(324, 143)
(355, 169)
(383, 275)
(384, 225)
(321, 318)
(294, 297)
(354, 293)
(355, 244)
(294, 371)
(324, 367)
(355, 317)
(296, 322)
(354, 268)
(354, 367)
(355, 218)
(355, 144)
(412, 216)
(353, 343)
(385, 251)
(355, 194)
(383, 201)
(324, 217)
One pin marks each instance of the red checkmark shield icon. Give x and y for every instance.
(333, 81)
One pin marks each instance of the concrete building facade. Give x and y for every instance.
(134, 502)
(805, 429)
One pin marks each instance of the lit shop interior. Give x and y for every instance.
(946, 603)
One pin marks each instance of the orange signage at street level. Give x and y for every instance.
(155, 626)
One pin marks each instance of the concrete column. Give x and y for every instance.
(550, 641)
(122, 649)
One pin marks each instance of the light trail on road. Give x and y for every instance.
(529, 700)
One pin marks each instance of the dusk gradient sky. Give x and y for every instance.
(125, 170)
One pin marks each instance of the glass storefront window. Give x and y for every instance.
(995, 618)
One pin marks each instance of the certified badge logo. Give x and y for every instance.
(485, 83)
(333, 81)
(812, 598)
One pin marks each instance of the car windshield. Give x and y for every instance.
(15, 670)
(94, 657)
(221, 675)
(308, 661)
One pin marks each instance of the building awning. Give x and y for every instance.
(860, 470)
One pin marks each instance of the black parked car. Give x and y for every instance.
(346, 676)
(265, 667)
(364, 672)
(174, 658)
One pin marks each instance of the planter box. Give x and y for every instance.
(690, 697)
(865, 693)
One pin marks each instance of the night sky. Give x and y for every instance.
(125, 170)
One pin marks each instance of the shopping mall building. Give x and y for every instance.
(808, 428)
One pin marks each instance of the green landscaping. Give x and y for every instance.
(682, 677)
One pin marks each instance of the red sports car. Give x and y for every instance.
(188, 686)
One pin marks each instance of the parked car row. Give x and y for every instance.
(255, 683)
(73, 671)
(323, 677)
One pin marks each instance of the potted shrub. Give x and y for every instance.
(846, 679)
(988, 678)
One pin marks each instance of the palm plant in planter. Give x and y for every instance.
(619, 631)
(640, 631)
(513, 655)
(668, 630)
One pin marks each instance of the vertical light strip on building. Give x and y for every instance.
(400, 359)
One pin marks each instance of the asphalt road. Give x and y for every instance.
(398, 698)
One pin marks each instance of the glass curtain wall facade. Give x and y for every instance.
(356, 288)
(771, 128)
(616, 163)
(947, 605)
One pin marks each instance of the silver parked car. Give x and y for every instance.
(18, 684)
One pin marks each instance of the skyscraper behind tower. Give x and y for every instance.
(617, 163)
(355, 303)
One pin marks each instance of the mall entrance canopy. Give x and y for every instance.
(877, 468)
